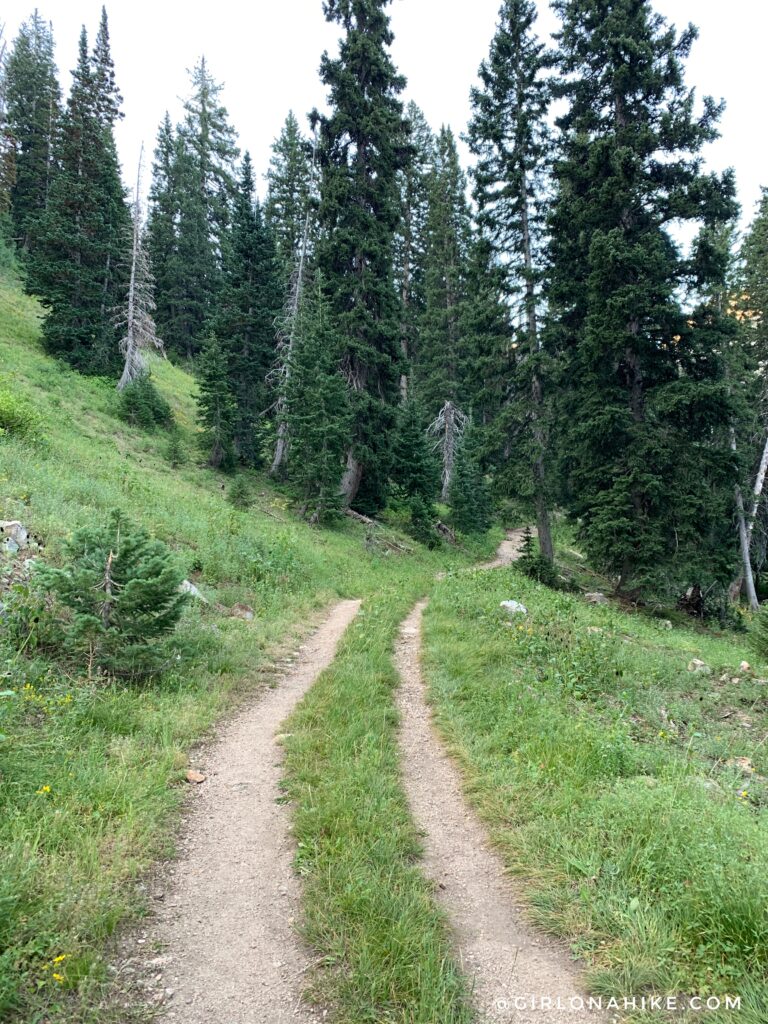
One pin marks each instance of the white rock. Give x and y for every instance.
(596, 598)
(189, 588)
(513, 608)
(12, 532)
(744, 666)
(697, 665)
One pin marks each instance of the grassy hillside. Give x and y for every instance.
(628, 792)
(88, 772)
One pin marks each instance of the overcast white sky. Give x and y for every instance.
(267, 53)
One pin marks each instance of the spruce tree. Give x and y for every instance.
(470, 499)
(78, 267)
(162, 242)
(191, 200)
(644, 409)
(290, 194)
(410, 239)
(440, 366)
(250, 300)
(318, 409)
(415, 470)
(211, 140)
(751, 300)
(509, 135)
(363, 145)
(33, 108)
(217, 412)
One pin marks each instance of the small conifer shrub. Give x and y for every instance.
(117, 598)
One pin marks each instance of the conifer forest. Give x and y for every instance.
(244, 408)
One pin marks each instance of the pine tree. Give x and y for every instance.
(414, 467)
(645, 406)
(250, 300)
(751, 302)
(78, 267)
(410, 239)
(33, 109)
(363, 145)
(162, 242)
(290, 195)
(191, 199)
(108, 98)
(217, 412)
(211, 140)
(470, 500)
(440, 366)
(318, 409)
(508, 133)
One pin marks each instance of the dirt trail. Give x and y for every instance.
(509, 549)
(510, 964)
(230, 953)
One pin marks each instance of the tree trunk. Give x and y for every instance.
(749, 579)
(449, 450)
(350, 481)
(537, 392)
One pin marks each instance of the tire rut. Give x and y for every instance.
(231, 954)
(508, 962)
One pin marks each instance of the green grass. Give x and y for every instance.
(89, 773)
(603, 769)
(369, 911)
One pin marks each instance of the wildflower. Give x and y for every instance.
(42, 791)
(57, 977)
(61, 958)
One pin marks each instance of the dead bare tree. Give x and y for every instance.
(136, 316)
(286, 334)
(447, 428)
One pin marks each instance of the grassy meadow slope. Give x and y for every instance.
(628, 793)
(88, 771)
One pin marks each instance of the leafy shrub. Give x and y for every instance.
(117, 597)
(18, 416)
(142, 405)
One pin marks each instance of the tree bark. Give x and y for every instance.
(546, 546)
(350, 481)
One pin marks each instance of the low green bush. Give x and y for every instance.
(117, 597)
(18, 416)
(142, 405)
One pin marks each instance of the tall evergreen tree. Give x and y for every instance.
(441, 361)
(410, 239)
(318, 409)
(250, 300)
(162, 240)
(508, 133)
(217, 412)
(470, 500)
(414, 467)
(290, 194)
(363, 145)
(78, 265)
(191, 199)
(211, 140)
(33, 108)
(646, 407)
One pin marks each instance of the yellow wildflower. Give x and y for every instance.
(57, 977)
(42, 791)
